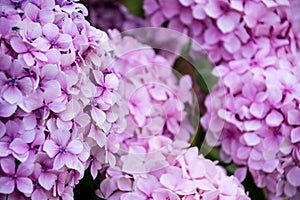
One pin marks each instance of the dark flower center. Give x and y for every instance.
(18, 4)
(94, 102)
(63, 149)
(53, 42)
(12, 82)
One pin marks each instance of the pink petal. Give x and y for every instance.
(293, 176)
(50, 148)
(25, 85)
(18, 45)
(25, 169)
(57, 107)
(6, 109)
(40, 56)
(47, 180)
(28, 58)
(4, 149)
(38, 194)
(241, 173)
(64, 41)
(186, 2)
(270, 166)
(186, 16)
(274, 118)
(50, 31)
(53, 56)
(5, 62)
(75, 147)
(226, 23)
(8, 166)
(61, 137)
(34, 30)
(124, 184)
(212, 35)
(198, 12)
(251, 139)
(169, 181)
(2, 129)
(213, 10)
(46, 16)
(111, 81)
(59, 161)
(73, 163)
(19, 146)
(173, 126)
(158, 93)
(169, 8)
(258, 110)
(157, 19)
(12, 94)
(98, 116)
(7, 185)
(232, 44)
(31, 11)
(295, 135)
(98, 136)
(293, 117)
(24, 185)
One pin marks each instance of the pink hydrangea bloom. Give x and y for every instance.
(43, 43)
(190, 176)
(135, 110)
(229, 30)
(252, 113)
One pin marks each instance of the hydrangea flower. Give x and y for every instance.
(43, 43)
(135, 110)
(190, 176)
(252, 114)
(229, 30)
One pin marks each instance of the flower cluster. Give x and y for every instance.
(229, 30)
(253, 113)
(43, 43)
(190, 176)
(149, 112)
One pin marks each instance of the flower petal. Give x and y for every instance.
(12, 95)
(98, 116)
(19, 146)
(24, 185)
(47, 180)
(7, 185)
(50, 148)
(75, 147)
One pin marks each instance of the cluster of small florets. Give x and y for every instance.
(189, 176)
(253, 111)
(229, 30)
(150, 111)
(43, 43)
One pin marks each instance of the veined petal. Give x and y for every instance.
(50, 148)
